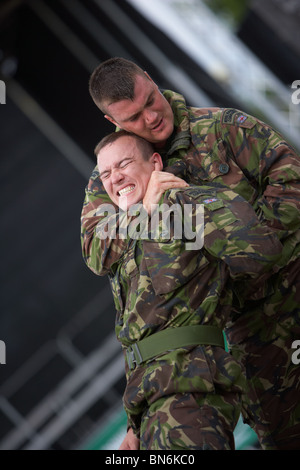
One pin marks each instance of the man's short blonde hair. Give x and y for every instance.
(143, 145)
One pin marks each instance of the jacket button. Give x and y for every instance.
(224, 168)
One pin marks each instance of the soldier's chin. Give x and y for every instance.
(125, 202)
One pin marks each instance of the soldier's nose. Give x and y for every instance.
(116, 177)
(150, 116)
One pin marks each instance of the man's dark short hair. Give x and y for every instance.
(113, 81)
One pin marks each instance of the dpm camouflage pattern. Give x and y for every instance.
(231, 148)
(193, 421)
(159, 284)
(228, 147)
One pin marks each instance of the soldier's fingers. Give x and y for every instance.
(172, 184)
(162, 176)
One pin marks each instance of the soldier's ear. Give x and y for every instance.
(147, 75)
(157, 161)
(111, 120)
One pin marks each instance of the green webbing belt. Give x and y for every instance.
(173, 338)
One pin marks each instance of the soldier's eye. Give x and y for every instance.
(104, 176)
(125, 163)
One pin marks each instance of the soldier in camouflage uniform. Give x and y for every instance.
(185, 392)
(231, 148)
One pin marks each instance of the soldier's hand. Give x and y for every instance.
(159, 182)
(130, 442)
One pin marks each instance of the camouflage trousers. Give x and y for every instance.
(261, 340)
(191, 421)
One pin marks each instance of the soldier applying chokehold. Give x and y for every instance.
(173, 298)
(230, 148)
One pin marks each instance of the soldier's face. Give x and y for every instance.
(124, 172)
(149, 115)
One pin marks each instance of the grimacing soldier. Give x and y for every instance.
(173, 299)
(230, 148)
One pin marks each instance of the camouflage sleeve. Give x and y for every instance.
(271, 164)
(232, 232)
(99, 216)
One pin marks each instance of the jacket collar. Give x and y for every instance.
(181, 138)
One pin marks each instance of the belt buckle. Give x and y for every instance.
(133, 356)
(130, 358)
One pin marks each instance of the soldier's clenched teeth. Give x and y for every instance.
(126, 190)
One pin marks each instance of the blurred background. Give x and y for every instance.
(61, 369)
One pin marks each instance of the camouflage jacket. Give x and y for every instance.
(159, 283)
(223, 146)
